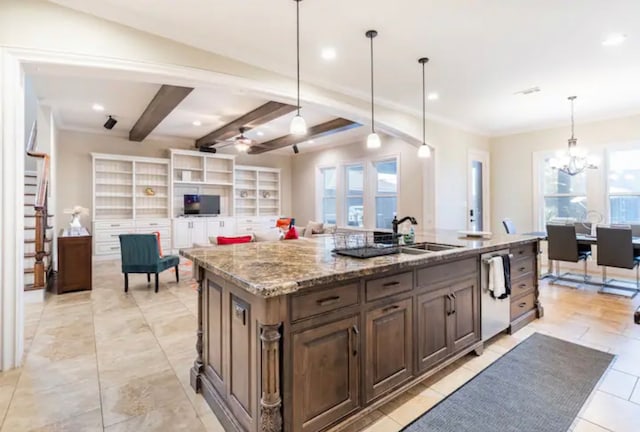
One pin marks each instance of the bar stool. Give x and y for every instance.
(563, 246)
(615, 249)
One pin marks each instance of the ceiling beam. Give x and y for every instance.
(259, 116)
(323, 129)
(167, 98)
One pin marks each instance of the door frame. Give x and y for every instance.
(484, 157)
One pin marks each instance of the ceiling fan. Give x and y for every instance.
(241, 143)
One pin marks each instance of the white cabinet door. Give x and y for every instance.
(213, 227)
(181, 233)
(199, 232)
(227, 227)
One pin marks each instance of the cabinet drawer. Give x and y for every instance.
(522, 267)
(165, 232)
(107, 248)
(315, 303)
(114, 224)
(388, 286)
(522, 305)
(110, 236)
(524, 251)
(443, 272)
(154, 225)
(521, 286)
(243, 229)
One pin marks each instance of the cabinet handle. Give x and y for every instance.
(153, 224)
(390, 308)
(453, 307)
(328, 301)
(355, 332)
(390, 284)
(523, 304)
(115, 225)
(115, 248)
(449, 306)
(522, 285)
(522, 269)
(520, 252)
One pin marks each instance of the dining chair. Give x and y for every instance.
(564, 246)
(509, 226)
(615, 249)
(635, 230)
(140, 254)
(583, 228)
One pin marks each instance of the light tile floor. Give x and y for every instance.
(106, 361)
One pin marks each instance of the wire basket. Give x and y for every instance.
(364, 244)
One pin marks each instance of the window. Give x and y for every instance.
(328, 191)
(386, 192)
(624, 186)
(565, 196)
(354, 195)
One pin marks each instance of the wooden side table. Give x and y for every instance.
(74, 263)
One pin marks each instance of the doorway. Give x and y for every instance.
(478, 200)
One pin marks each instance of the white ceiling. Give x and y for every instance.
(482, 52)
(72, 91)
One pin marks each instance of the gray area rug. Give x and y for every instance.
(539, 386)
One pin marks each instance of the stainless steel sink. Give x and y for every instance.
(422, 248)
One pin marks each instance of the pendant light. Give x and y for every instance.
(298, 125)
(574, 161)
(373, 140)
(424, 151)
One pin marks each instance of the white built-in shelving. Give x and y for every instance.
(200, 173)
(257, 191)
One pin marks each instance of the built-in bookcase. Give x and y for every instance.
(130, 187)
(201, 174)
(257, 191)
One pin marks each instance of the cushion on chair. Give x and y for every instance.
(292, 234)
(233, 240)
(167, 262)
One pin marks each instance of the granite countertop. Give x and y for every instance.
(277, 268)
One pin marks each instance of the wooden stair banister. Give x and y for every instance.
(40, 206)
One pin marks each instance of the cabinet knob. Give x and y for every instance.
(328, 301)
(390, 284)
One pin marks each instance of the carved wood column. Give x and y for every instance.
(270, 402)
(198, 364)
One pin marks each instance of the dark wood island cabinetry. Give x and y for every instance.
(328, 339)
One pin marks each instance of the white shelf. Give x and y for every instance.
(114, 207)
(107, 183)
(113, 195)
(187, 169)
(219, 171)
(152, 196)
(113, 172)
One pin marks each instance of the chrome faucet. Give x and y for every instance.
(395, 222)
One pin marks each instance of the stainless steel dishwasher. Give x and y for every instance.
(495, 313)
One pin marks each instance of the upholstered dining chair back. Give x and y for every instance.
(509, 226)
(635, 230)
(563, 244)
(615, 247)
(583, 228)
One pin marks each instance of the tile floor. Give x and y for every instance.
(106, 361)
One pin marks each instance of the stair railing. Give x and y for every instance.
(40, 206)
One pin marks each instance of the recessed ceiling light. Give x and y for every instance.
(614, 39)
(197, 123)
(97, 107)
(328, 53)
(528, 91)
(260, 133)
(311, 141)
(433, 96)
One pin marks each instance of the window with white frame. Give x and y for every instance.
(328, 192)
(386, 191)
(624, 186)
(354, 195)
(564, 196)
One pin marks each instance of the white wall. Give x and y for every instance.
(74, 176)
(450, 175)
(512, 163)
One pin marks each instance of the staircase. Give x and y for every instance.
(37, 232)
(30, 255)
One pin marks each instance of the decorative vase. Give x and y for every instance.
(75, 222)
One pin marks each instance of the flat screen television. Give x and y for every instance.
(201, 204)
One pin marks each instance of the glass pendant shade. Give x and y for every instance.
(298, 126)
(574, 160)
(373, 141)
(424, 151)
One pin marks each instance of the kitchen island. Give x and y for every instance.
(292, 337)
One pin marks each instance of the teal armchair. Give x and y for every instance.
(139, 253)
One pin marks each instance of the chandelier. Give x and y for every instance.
(575, 160)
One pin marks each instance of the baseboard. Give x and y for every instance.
(34, 296)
